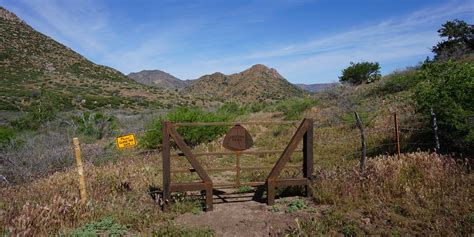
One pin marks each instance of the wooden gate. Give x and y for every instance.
(303, 133)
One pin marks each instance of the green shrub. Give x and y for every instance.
(293, 108)
(96, 125)
(232, 109)
(39, 113)
(296, 205)
(191, 135)
(105, 226)
(171, 229)
(6, 135)
(448, 88)
(397, 82)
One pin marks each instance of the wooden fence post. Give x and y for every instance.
(308, 155)
(166, 167)
(362, 139)
(434, 124)
(80, 170)
(397, 134)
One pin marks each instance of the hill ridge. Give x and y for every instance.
(34, 67)
(257, 83)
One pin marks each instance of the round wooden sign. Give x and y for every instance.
(238, 139)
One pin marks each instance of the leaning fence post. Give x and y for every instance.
(397, 134)
(435, 130)
(362, 139)
(80, 170)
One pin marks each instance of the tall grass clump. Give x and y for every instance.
(421, 193)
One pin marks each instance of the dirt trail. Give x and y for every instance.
(248, 218)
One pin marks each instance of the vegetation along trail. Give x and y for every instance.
(83, 150)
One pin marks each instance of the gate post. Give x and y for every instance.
(166, 167)
(308, 154)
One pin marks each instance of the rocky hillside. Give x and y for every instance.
(316, 87)
(256, 84)
(34, 67)
(158, 78)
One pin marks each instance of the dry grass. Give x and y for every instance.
(421, 193)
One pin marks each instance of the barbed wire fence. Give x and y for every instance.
(332, 140)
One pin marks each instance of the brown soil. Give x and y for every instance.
(249, 218)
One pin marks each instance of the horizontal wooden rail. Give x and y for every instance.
(193, 186)
(233, 185)
(233, 153)
(234, 123)
(291, 182)
(189, 170)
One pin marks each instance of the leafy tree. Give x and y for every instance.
(448, 88)
(459, 42)
(358, 73)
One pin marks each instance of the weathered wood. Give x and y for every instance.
(262, 152)
(234, 123)
(270, 192)
(434, 125)
(234, 185)
(362, 140)
(209, 194)
(285, 157)
(308, 151)
(80, 170)
(193, 186)
(237, 139)
(190, 170)
(397, 134)
(166, 167)
(291, 182)
(188, 154)
(237, 169)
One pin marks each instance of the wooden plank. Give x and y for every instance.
(270, 192)
(262, 152)
(233, 185)
(297, 137)
(193, 186)
(291, 182)
(190, 170)
(166, 167)
(308, 151)
(235, 123)
(209, 206)
(189, 155)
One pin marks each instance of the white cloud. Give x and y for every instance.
(398, 39)
(87, 27)
(80, 22)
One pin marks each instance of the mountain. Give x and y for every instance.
(158, 78)
(256, 84)
(35, 68)
(316, 87)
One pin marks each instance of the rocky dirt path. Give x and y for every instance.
(250, 218)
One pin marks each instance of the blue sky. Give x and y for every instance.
(306, 41)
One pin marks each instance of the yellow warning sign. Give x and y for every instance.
(126, 141)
